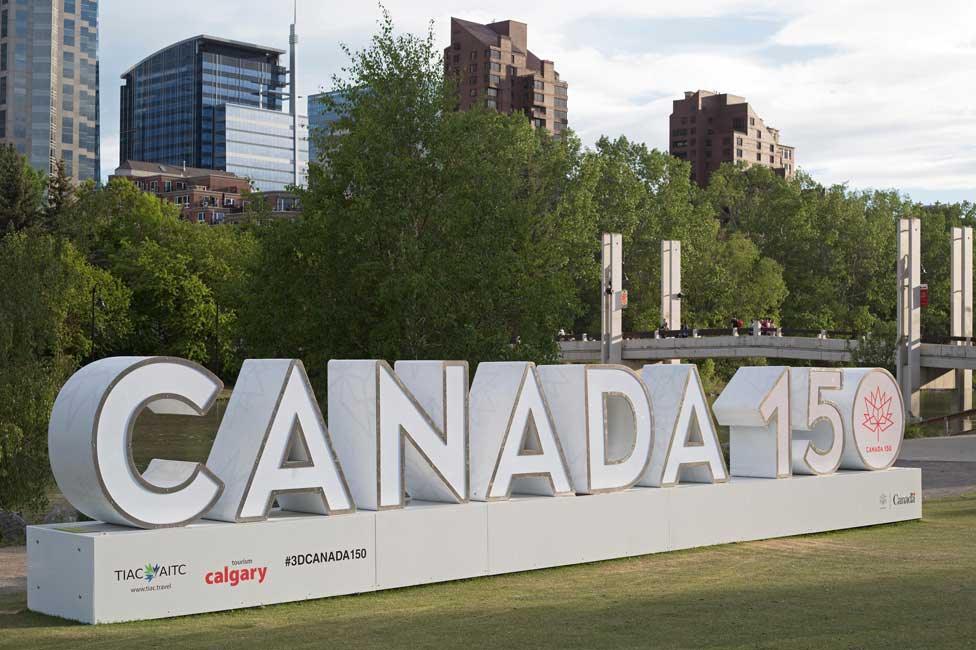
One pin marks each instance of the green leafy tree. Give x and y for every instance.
(836, 246)
(60, 194)
(45, 332)
(427, 233)
(21, 191)
(188, 281)
(647, 196)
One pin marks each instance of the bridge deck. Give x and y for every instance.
(717, 347)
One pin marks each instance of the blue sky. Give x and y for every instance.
(873, 93)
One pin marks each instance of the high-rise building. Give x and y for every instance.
(49, 83)
(324, 110)
(494, 67)
(213, 103)
(708, 129)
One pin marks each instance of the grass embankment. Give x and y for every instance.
(909, 585)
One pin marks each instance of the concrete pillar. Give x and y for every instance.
(612, 299)
(671, 286)
(909, 359)
(671, 283)
(961, 309)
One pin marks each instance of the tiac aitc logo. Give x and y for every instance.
(150, 572)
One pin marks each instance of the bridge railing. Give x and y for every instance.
(718, 331)
(947, 340)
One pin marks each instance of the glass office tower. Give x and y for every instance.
(49, 83)
(254, 143)
(324, 110)
(210, 103)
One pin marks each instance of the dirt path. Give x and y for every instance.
(13, 570)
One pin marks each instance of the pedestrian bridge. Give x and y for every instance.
(649, 348)
(639, 350)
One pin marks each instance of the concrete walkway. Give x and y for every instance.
(958, 449)
(948, 464)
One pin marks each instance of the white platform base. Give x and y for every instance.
(95, 573)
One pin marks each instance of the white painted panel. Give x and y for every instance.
(426, 543)
(526, 534)
(60, 573)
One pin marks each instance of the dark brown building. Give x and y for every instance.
(708, 129)
(205, 196)
(494, 67)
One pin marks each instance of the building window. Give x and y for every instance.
(168, 186)
(772, 160)
(473, 92)
(752, 121)
(472, 80)
(560, 102)
(492, 92)
(494, 67)
(738, 153)
(739, 124)
(69, 33)
(494, 79)
(540, 98)
(758, 134)
(201, 217)
(491, 103)
(540, 85)
(759, 157)
(495, 54)
(540, 123)
(474, 55)
(153, 186)
(771, 149)
(678, 144)
(473, 67)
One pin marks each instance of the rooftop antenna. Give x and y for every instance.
(293, 43)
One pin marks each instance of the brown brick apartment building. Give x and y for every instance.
(494, 66)
(205, 196)
(708, 129)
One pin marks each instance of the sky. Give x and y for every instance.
(872, 93)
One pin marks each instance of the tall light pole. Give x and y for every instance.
(293, 43)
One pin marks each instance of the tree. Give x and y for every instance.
(21, 191)
(60, 193)
(187, 281)
(647, 196)
(427, 233)
(836, 247)
(44, 335)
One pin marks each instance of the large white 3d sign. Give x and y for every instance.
(418, 432)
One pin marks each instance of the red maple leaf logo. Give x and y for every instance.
(877, 415)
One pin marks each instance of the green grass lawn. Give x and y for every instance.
(907, 585)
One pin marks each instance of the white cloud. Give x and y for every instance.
(878, 93)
